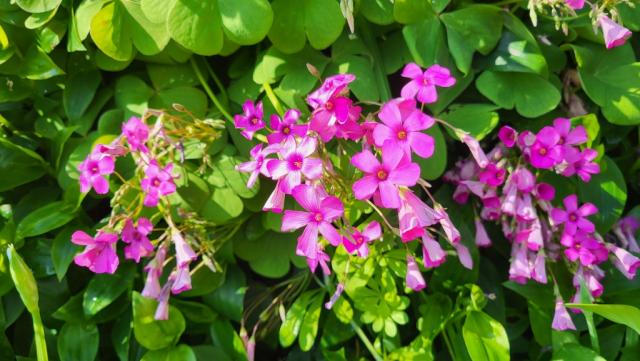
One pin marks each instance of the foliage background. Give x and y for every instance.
(72, 71)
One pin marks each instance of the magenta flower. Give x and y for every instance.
(184, 252)
(286, 127)
(482, 238)
(475, 149)
(568, 136)
(626, 230)
(154, 269)
(422, 85)
(157, 182)
(251, 121)
(136, 238)
(396, 170)
(545, 191)
(561, 318)
(575, 5)
(492, 175)
(450, 230)
(508, 136)
(93, 172)
(162, 311)
(414, 215)
(100, 252)
(586, 249)
(337, 113)
(581, 163)
(332, 86)
(414, 278)
(614, 33)
(519, 270)
(545, 153)
(321, 259)
(295, 163)
(624, 261)
(181, 278)
(358, 241)
(275, 202)
(539, 269)
(115, 150)
(463, 255)
(136, 132)
(432, 253)
(258, 165)
(574, 218)
(402, 126)
(319, 213)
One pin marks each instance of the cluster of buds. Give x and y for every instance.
(604, 16)
(297, 158)
(153, 149)
(509, 193)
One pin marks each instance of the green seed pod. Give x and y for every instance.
(23, 279)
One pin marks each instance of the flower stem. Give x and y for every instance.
(365, 340)
(39, 339)
(273, 98)
(209, 92)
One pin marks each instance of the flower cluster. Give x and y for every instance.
(604, 16)
(153, 150)
(297, 159)
(510, 192)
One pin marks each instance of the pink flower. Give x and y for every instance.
(482, 238)
(624, 261)
(93, 172)
(539, 269)
(162, 311)
(450, 230)
(275, 202)
(414, 278)
(575, 5)
(335, 296)
(414, 215)
(330, 106)
(574, 218)
(561, 318)
(581, 163)
(492, 175)
(100, 252)
(475, 149)
(508, 136)
(258, 165)
(331, 87)
(568, 136)
(295, 163)
(422, 86)
(463, 255)
(402, 127)
(519, 269)
(136, 132)
(136, 237)
(114, 150)
(152, 287)
(626, 230)
(319, 213)
(251, 121)
(157, 182)
(545, 191)
(358, 241)
(181, 279)
(614, 33)
(545, 153)
(286, 127)
(396, 170)
(587, 250)
(184, 252)
(321, 259)
(432, 253)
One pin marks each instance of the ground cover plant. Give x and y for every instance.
(319, 179)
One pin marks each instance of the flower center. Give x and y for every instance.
(382, 175)
(402, 135)
(295, 162)
(329, 105)
(542, 151)
(318, 217)
(253, 120)
(573, 217)
(425, 81)
(286, 130)
(94, 169)
(156, 182)
(561, 141)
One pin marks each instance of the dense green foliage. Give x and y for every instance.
(72, 71)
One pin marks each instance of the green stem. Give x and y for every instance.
(209, 92)
(505, 2)
(366, 341)
(223, 91)
(273, 98)
(447, 342)
(39, 339)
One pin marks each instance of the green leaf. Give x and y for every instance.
(477, 119)
(309, 327)
(79, 91)
(132, 95)
(530, 94)
(225, 337)
(270, 254)
(45, 219)
(78, 342)
(485, 338)
(364, 87)
(323, 22)
(176, 353)
(223, 206)
(18, 165)
(109, 32)
(622, 314)
(473, 28)
(156, 10)
(38, 6)
(148, 36)
(228, 299)
(575, 352)
(196, 25)
(84, 14)
(290, 328)
(155, 334)
(607, 190)
(192, 99)
(377, 11)
(411, 11)
(246, 22)
(425, 41)
(103, 289)
(433, 167)
(38, 65)
(194, 311)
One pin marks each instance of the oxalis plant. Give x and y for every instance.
(319, 179)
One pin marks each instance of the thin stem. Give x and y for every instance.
(505, 2)
(209, 92)
(447, 342)
(273, 98)
(39, 339)
(223, 91)
(363, 337)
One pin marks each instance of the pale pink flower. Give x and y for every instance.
(561, 318)
(482, 238)
(296, 162)
(450, 230)
(432, 253)
(181, 278)
(258, 165)
(614, 33)
(414, 278)
(335, 296)
(624, 261)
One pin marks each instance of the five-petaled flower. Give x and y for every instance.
(100, 252)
